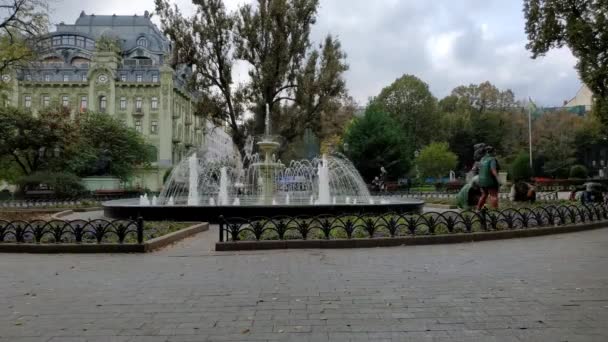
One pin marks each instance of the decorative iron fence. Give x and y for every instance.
(79, 231)
(62, 203)
(541, 196)
(400, 225)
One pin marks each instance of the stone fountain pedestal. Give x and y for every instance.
(268, 169)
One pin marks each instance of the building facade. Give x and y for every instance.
(135, 85)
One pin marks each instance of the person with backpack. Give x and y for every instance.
(488, 179)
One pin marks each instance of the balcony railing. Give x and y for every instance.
(138, 112)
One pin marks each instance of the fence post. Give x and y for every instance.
(484, 224)
(221, 228)
(140, 230)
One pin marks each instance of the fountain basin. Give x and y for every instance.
(130, 209)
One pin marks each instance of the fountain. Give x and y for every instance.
(193, 181)
(216, 180)
(324, 182)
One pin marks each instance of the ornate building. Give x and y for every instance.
(135, 85)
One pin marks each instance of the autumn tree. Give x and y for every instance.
(580, 25)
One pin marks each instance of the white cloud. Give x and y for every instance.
(444, 42)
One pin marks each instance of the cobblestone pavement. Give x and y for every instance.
(551, 288)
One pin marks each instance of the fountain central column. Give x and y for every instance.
(323, 173)
(193, 198)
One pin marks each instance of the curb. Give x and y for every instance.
(440, 206)
(60, 215)
(405, 241)
(146, 247)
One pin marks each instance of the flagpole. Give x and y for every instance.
(530, 133)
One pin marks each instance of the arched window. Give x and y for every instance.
(142, 42)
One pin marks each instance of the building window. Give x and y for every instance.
(123, 103)
(142, 42)
(84, 78)
(27, 102)
(28, 77)
(103, 102)
(154, 78)
(123, 78)
(47, 78)
(46, 101)
(154, 103)
(139, 78)
(138, 104)
(66, 78)
(80, 41)
(154, 127)
(56, 40)
(138, 125)
(65, 101)
(83, 104)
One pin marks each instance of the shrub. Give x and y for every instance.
(578, 172)
(62, 185)
(520, 168)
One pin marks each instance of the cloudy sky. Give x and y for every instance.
(444, 42)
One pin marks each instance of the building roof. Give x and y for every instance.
(129, 28)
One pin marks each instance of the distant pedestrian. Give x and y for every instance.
(488, 179)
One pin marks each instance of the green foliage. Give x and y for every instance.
(108, 44)
(63, 185)
(482, 113)
(376, 140)
(107, 147)
(520, 168)
(580, 25)
(554, 138)
(31, 141)
(96, 144)
(436, 160)
(579, 172)
(409, 101)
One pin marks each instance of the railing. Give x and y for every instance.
(400, 225)
(79, 231)
(61, 203)
(542, 196)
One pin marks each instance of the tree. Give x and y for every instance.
(96, 144)
(520, 167)
(298, 82)
(582, 26)
(409, 101)
(485, 97)
(554, 137)
(31, 141)
(22, 21)
(482, 113)
(436, 160)
(376, 140)
(107, 147)
(206, 41)
(578, 172)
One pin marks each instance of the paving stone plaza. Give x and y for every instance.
(552, 288)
